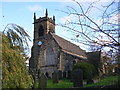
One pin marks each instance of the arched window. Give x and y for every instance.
(50, 56)
(41, 31)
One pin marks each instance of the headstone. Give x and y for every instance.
(55, 76)
(96, 80)
(43, 81)
(77, 78)
(69, 74)
(60, 74)
(64, 74)
(90, 80)
(39, 72)
(84, 83)
(117, 70)
(47, 75)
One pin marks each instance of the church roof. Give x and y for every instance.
(69, 47)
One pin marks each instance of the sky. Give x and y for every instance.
(21, 13)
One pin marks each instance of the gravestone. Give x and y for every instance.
(89, 79)
(39, 72)
(77, 78)
(69, 74)
(47, 75)
(60, 74)
(96, 80)
(117, 70)
(42, 81)
(55, 76)
(64, 74)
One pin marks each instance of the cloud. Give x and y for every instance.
(34, 8)
(67, 19)
(114, 19)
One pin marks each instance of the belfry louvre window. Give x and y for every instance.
(41, 31)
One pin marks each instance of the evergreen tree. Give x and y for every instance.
(14, 71)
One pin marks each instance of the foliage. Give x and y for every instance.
(87, 68)
(17, 37)
(14, 72)
(105, 58)
(108, 61)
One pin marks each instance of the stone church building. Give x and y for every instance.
(50, 51)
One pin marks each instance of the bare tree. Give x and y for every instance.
(101, 31)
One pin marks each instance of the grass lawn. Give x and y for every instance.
(61, 84)
(111, 80)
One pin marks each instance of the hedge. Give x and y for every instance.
(87, 68)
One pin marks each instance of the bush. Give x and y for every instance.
(87, 68)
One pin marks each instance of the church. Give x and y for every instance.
(51, 52)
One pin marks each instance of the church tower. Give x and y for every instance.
(42, 26)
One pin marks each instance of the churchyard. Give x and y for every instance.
(83, 75)
(66, 83)
(75, 80)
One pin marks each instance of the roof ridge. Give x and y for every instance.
(65, 39)
(68, 46)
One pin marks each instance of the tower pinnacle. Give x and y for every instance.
(53, 18)
(46, 14)
(34, 16)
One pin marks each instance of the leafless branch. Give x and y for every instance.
(89, 29)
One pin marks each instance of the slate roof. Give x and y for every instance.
(94, 56)
(69, 47)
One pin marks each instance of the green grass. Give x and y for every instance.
(111, 80)
(61, 84)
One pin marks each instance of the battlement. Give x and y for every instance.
(41, 19)
(46, 18)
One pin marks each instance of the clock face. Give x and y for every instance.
(39, 43)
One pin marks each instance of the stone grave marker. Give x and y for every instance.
(96, 80)
(90, 80)
(42, 81)
(60, 74)
(69, 74)
(39, 72)
(77, 78)
(64, 74)
(55, 76)
(117, 70)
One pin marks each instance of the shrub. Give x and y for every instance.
(87, 68)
